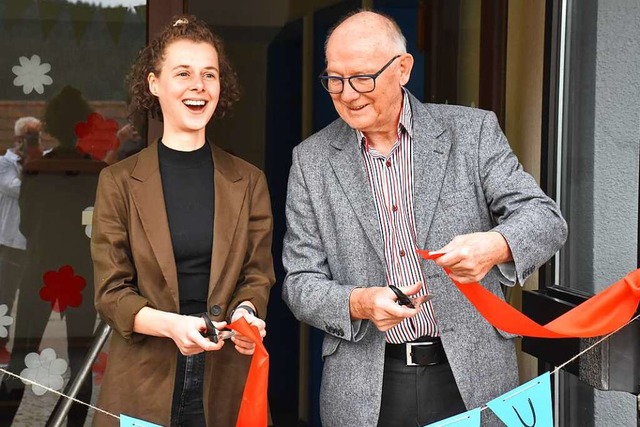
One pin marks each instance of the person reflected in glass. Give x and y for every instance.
(12, 242)
(181, 234)
(56, 188)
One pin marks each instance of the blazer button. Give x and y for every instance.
(215, 310)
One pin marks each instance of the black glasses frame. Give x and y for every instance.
(325, 79)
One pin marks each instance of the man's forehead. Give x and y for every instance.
(355, 58)
(360, 41)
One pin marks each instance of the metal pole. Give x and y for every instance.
(102, 333)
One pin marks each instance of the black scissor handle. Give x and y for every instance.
(402, 298)
(211, 332)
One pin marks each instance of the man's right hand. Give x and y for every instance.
(378, 304)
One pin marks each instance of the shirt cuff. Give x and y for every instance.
(508, 272)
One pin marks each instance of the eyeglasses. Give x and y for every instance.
(361, 83)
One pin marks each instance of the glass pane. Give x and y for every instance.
(62, 98)
(601, 135)
(599, 175)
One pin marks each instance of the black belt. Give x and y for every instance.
(426, 351)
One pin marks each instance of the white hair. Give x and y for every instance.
(26, 125)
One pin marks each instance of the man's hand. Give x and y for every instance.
(378, 304)
(469, 257)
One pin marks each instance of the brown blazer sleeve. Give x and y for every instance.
(257, 276)
(116, 297)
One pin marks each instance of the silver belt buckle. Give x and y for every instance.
(409, 346)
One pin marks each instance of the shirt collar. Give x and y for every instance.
(11, 155)
(405, 124)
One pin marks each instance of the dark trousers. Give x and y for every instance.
(417, 395)
(187, 408)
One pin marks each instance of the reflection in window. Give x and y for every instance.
(64, 118)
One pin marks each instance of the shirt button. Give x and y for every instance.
(402, 252)
(394, 208)
(388, 163)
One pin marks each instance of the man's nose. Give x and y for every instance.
(348, 92)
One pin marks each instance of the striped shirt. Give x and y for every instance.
(391, 181)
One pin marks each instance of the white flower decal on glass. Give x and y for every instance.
(31, 74)
(5, 321)
(44, 369)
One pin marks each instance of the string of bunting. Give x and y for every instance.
(530, 403)
(253, 409)
(527, 405)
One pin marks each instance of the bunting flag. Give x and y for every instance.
(601, 314)
(49, 11)
(127, 421)
(141, 11)
(14, 11)
(81, 16)
(253, 409)
(114, 19)
(466, 419)
(528, 405)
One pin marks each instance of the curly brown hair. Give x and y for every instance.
(182, 27)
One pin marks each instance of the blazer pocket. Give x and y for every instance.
(329, 345)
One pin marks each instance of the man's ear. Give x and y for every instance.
(153, 85)
(406, 65)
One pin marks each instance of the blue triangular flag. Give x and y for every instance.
(126, 421)
(527, 405)
(466, 419)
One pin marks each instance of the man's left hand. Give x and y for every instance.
(469, 257)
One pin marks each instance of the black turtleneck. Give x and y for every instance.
(187, 185)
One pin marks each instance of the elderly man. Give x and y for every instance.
(392, 175)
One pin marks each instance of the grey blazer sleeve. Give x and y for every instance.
(529, 220)
(309, 289)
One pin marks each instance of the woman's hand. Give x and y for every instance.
(242, 343)
(186, 332)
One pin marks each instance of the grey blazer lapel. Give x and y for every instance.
(348, 166)
(431, 146)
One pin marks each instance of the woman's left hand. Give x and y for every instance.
(242, 343)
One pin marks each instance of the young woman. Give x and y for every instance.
(180, 229)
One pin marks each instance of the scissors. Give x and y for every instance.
(212, 333)
(405, 300)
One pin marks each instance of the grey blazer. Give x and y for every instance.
(466, 179)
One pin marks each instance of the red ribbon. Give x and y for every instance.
(601, 314)
(253, 409)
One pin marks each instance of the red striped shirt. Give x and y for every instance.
(391, 180)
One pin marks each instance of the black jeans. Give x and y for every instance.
(188, 409)
(417, 395)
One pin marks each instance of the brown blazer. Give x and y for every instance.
(134, 267)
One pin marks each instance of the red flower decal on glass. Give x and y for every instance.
(62, 288)
(99, 367)
(97, 136)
